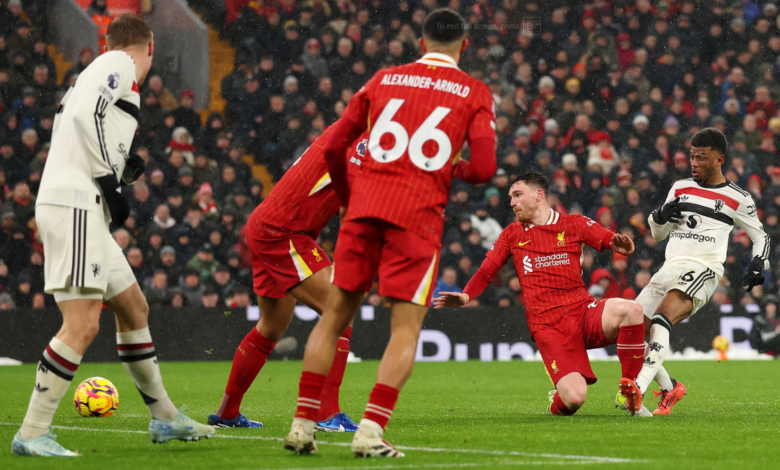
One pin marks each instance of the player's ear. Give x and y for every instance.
(151, 48)
(464, 45)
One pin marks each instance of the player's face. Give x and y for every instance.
(705, 163)
(525, 201)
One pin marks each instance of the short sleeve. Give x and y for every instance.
(592, 233)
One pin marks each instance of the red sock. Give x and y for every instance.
(631, 349)
(381, 403)
(330, 391)
(247, 362)
(559, 408)
(309, 391)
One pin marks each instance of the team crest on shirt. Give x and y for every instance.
(113, 80)
(718, 205)
(562, 239)
(554, 367)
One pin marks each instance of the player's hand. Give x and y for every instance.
(669, 212)
(450, 299)
(622, 244)
(117, 205)
(755, 274)
(134, 168)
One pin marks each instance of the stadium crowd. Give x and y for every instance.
(600, 96)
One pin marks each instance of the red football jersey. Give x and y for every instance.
(547, 260)
(304, 200)
(418, 116)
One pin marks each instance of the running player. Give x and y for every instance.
(419, 115)
(697, 217)
(564, 319)
(281, 234)
(84, 266)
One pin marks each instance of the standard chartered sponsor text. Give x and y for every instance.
(558, 259)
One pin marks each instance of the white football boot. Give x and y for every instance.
(181, 427)
(44, 446)
(368, 442)
(301, 437)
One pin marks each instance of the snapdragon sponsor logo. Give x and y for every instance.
(693, 236)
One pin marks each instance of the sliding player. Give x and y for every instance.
(564, 319)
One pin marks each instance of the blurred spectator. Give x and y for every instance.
(158, 294)
(765, 335)
(204, 262)
(6, 302)
(448, 282)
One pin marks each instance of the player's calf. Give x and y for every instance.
(572, 390)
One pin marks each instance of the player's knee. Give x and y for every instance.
(89, 331)
(634, 313)
(575, 398)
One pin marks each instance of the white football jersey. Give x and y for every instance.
(93, 131)
(709, 215)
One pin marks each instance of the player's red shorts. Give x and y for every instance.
(279, 264)
(563, 346)
(407, 264)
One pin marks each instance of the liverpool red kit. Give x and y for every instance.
(418, 117)
(564, 319)
(282, 230)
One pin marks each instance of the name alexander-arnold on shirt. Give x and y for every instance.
(426, 83)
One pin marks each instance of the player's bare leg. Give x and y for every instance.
(340, 309)
(569, 396)
(394, 370)
(58, 365)
(675, 307)
(137, 353)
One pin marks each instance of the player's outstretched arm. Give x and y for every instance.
(451, 299)
(747, 219)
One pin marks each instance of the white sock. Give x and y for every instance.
(55, 373)
(664, 380)
(656, 352)
(137, 353)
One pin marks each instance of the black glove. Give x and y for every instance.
(669, 212)
(755, 274)
(117, 205)
(134, 168)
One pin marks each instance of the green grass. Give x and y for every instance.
(728, 420)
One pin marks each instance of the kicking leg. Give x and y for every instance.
(674, 308)
(56, 369)
(138, 356)
(250, 357)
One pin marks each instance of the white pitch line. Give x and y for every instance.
(517, 463)
(595, 459)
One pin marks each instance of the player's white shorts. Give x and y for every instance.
(695, 279)
(82, 259)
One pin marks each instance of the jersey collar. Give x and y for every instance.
(438, 59)
(553, 219)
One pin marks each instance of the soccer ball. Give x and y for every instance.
(96, 398)
(720, 343)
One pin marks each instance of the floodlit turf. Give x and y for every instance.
(450, 415)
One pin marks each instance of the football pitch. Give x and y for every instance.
(450, 415)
